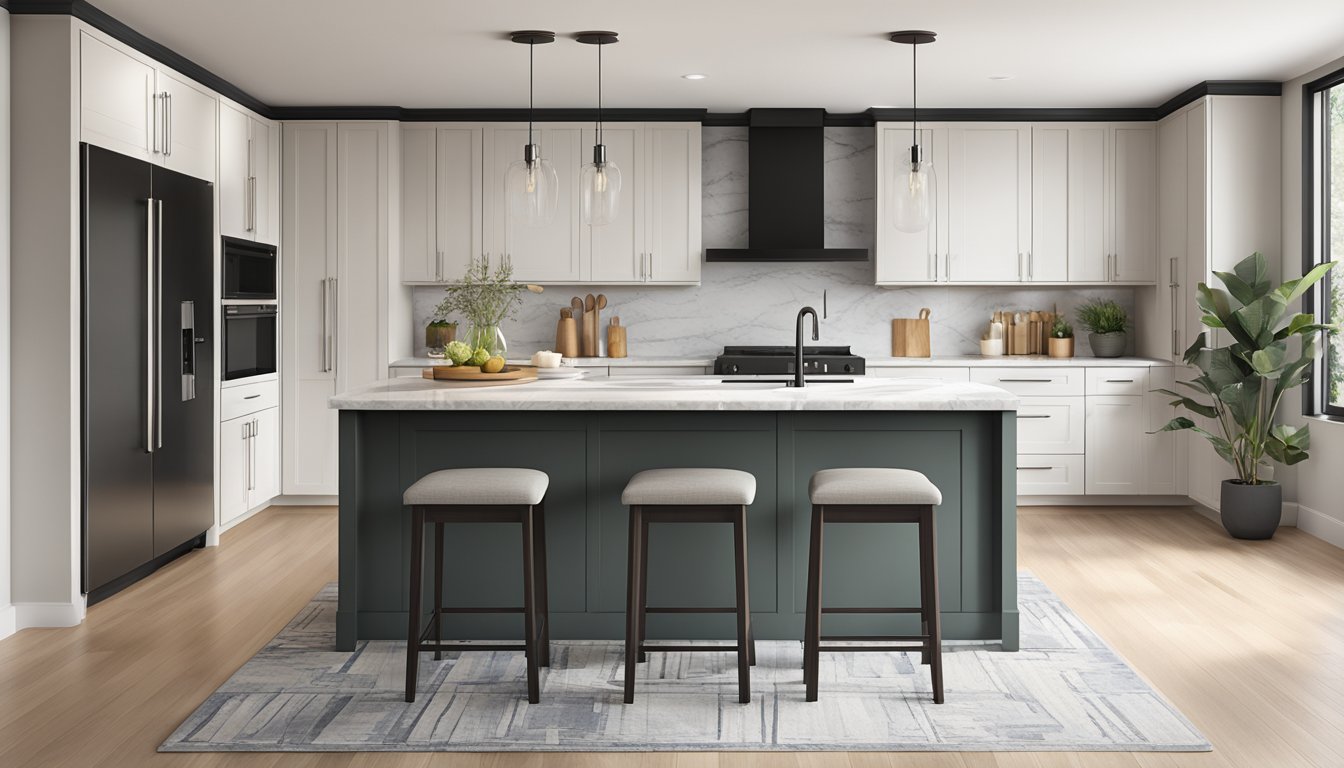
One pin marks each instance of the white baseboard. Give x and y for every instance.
(305, 501)
(1321, 525)
(1289, 514)
(248, 515)
(9, 623)
(1102, 501)
(28, 615)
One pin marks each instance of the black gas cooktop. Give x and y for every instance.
(769, 360)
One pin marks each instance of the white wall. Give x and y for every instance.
(6, 609)
(1320, 484)
(44, 382)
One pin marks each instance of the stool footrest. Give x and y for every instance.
(870, 648)
(481, 610)
(467, 645)
(690, 610)
(872, 610)
(688, 648)
(876, 638)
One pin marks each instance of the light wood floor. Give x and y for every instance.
(1246, 638)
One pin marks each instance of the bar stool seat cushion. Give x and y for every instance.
(872, 485)
(485, 486)
(672, 487)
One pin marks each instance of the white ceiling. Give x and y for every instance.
(757, 53)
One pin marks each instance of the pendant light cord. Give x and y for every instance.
(599, 93)
(914, 81)
(530, 46)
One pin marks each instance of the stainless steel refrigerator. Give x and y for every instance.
(148, 463)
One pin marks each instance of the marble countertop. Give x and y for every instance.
(682, 393)
(951, 361)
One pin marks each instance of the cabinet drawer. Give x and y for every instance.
(921, 372)
(1050, 425)
(248, 398)
(1117, 381)
(1060, 475)
(657, 370)
(1033, 382)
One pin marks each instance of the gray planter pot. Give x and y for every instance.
(1251, 511)
(1107, 344)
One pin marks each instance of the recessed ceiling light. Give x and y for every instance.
(1000, 77)
(694, 76)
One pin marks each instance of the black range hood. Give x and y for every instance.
(785, 187)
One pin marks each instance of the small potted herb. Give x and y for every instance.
(439, 332)
(1106, 323)
(1060, 343)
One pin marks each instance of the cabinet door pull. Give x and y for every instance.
(323, 312)
(1019, 266)
(1033, 415)
(1031, 266)
(252, 397)
(1019, 469)
(1026, 381)
(650, 266)
(1119, 381)
(167, 124)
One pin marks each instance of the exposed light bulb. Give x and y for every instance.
(601, 185)
(915, 192)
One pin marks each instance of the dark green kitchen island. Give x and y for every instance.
(590, 437)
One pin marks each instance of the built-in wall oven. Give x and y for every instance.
(250, 339)
(249, 271)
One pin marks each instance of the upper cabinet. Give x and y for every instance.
(454, 206)
(129, 106)
(1025, 203)
(249, 175)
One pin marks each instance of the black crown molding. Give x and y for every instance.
(86, 12)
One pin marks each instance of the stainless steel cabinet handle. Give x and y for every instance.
(1119, 381)
(947, 271)
(335, 324)
(168, 129)
(1019, 266)
(1019, 469)
(1033, 415)
(323, 312)
(158, 321)
(252, 397)
(1031, 266)
(1175, 342)
(650, 266)
(149, 325)
(1115, 266)
(247, 456)
(256, 426)
(252, 207)
(1026, 381)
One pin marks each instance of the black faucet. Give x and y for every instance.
(798, 349)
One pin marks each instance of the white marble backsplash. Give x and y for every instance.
(742, 303)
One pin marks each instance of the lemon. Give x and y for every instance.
(493, 365)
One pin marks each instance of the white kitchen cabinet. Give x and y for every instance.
(1134, 206)
(1164, 451)
(130, 106)
(249, 463)
(920, 372)
(118, 106)
(1163, 337)
(989, 202)
(671, 188)
(1115, 444)
(547, 252)
(910, 257)
(337, 237)
(1054, 381)
(191, 123)
(1047, 475)
(615, 252)
(1050, 425)
(249, 175)
(1070, 194)
(440, 201)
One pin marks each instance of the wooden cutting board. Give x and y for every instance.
(910, 336)
(474, 373)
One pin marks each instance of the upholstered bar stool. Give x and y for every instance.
(686, 496)
(485, 495)
(875, 495)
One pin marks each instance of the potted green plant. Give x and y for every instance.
(1245, 382)
(1106, 323)
(485, 298)
(1060, 343)
(439, 332)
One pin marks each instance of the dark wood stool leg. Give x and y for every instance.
(543, 598)
(632, 588)
(530, 608)
(643, 586)
(743, 606)
(812, 642)
(925, 594)
(413, 610)
(438, 591)
(929, 541)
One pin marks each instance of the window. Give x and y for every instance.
(1323, 235)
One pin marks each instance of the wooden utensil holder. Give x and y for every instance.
(567, 337)
(616, 339)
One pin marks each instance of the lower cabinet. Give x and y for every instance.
(1050, 475)
(1115, 444)
(249, 463)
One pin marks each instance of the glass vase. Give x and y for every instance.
(488, 337)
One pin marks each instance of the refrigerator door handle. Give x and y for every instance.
(149, 325)
(158, 321)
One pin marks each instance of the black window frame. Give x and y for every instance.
(1316, 231)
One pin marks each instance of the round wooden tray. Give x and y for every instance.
(474, 373)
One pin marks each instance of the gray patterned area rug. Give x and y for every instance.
(1065, 690)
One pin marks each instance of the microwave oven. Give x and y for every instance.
(249, 271)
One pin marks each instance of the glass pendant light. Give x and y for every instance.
(531, 185)
(914, 185)
(601, 179)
